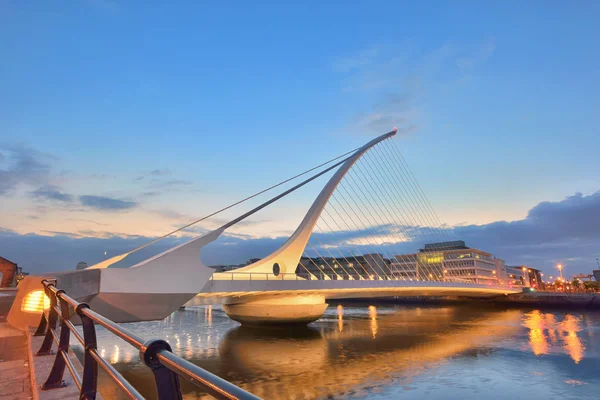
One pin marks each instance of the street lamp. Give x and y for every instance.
(559, 266)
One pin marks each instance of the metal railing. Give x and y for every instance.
(338, 276)
(156, 354)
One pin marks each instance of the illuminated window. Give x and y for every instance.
(35, 302)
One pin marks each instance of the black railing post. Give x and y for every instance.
(46, 348)
(89, 382)
(55, 379)
(167, 381)
(41, 329)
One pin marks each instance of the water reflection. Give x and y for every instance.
(352, 350)
(569, 327)
(340, 317)
(373, 318)
(545, 333)
(208, 315)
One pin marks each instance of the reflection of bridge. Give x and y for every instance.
(368, 214)
(333, 359)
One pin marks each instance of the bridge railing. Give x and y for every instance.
(156, 354)
(304, 276)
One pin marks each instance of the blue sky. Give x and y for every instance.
(151, 113)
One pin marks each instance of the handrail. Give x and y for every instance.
(156, 354)
(339, 276)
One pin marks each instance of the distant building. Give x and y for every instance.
(525, 276)
(451, 261)
(8, 273)
(517, 275)
(535, 278)
(457, 261)
(596, 273)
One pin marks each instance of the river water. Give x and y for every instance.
(377, 351)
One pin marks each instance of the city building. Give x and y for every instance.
(450, 261)
(525, 276)
(457, 261)
(536, 278)
(8, 273)
(517, 275)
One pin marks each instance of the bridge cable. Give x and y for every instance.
(422, 225)
(244, 200)
(422, 209)
(418, 197)
(417, 221)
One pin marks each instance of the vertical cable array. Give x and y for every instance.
(375, 226)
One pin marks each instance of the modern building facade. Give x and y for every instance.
(457, 261)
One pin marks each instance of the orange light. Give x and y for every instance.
(35, 302)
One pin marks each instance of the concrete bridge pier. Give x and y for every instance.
(285, 310)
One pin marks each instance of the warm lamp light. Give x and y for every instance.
(35, 302)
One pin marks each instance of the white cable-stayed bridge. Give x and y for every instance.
(358, 239)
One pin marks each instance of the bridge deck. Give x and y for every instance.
(221, 291)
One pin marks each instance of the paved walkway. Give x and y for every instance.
(15, 383)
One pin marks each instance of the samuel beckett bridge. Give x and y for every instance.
(356, 241)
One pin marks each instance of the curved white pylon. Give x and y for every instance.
(288, 255)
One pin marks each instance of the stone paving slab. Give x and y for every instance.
(41, 369)
(15, 381)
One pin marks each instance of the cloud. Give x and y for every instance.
(160, 172)
(52, 193)
(22, 165)
(391, 81)
(106, 203)
(381, 122)
(576, 218)
(564, 231)
(156, 181)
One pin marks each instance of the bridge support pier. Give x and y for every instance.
(285, 310)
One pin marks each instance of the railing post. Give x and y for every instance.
(55, 379)
(89, 382)
(167, 381)
(46, 348)
(41, 329)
